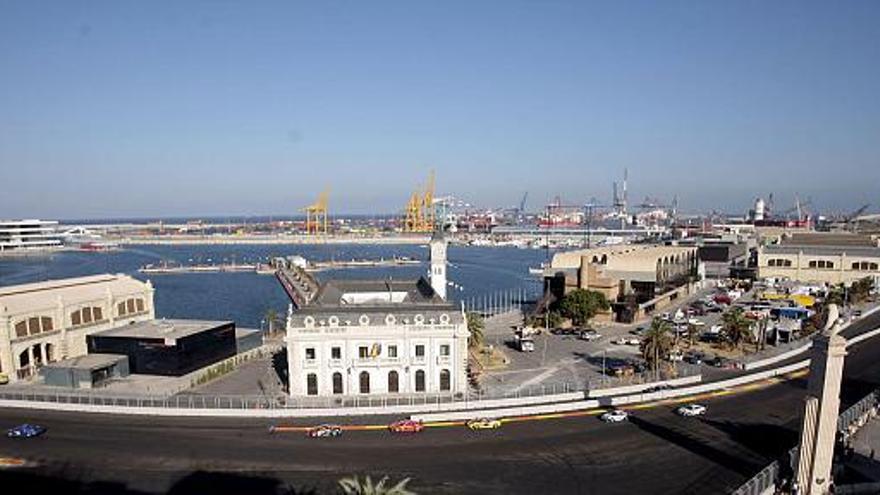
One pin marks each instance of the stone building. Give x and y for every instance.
(48, 321)
(830, 258)
(378, 337)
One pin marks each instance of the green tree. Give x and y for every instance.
(353, 485)
(737, 329)
(657, 342)
(580, 305)
(475, 325)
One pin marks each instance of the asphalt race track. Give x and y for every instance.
(655, 452)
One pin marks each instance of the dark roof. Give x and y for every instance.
(418, 292)
(88, 361)
(828, 239)
(162, 329)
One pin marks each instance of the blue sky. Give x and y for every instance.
(124, 108)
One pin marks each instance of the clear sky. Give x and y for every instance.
(130, 108)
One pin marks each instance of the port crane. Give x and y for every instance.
(419, 215)
(316, 215)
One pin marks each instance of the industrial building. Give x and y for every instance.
(48, 321)
(821, 257)
(168, 347)
(376, 337)
(637, 279)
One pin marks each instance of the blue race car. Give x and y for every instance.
(25, 431)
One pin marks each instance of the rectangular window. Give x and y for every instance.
(87, 315)
(96, 313)
(75, 318)
(420, 351)
(363, 352)
(21, 329)
(336, 353)
(140, 305)
(444, 350)
(392, 351)
(310, 353)
(120, 308)
(129, 306)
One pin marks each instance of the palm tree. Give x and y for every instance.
(353, 485)
(656, 343)
(693, 332)
(737, 328)
(272, 318)
(475, 326)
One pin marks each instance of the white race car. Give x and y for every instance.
(692, 410)
(615, 416)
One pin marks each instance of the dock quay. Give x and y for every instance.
(269, 269)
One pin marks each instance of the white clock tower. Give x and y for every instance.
(438, 264)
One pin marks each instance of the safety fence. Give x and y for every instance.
(504, 301)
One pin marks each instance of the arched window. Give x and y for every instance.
(312, 384)
(393, 386)
(21, 329)
(50, 353)
(33, 325)
(364, 382)
(420, 381)
(24, 359)
(337, 383)
(445, 384)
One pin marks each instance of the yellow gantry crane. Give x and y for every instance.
(316, 215)
(419, 211)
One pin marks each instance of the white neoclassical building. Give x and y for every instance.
(48, 321)
(376, 337)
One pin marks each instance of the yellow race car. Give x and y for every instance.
(483, 424)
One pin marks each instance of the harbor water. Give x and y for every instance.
(246, 296)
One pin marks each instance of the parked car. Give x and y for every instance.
(658, 388)
(691, 410)
(639, 331)
(675, 357)
(406, 426)
(590, 335)
(25, 430)
(483, 424)
(620, 369)
(615, 416)
(693, 358)
(324, 431)
(4, 378)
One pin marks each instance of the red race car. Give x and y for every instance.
(406, 426)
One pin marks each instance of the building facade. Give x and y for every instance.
(48, 321)
(28, 235)
(379, 337)
(821, 258)
(638, 280)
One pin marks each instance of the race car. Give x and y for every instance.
(324, 431)
(25, 430)
(483, 424)
(692, 410)
(406, 426)
(615, 416)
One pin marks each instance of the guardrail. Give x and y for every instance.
(848, 423)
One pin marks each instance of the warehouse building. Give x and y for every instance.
(638, 280)
(829, 258)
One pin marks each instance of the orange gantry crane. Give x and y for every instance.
(419, 213)
(316, 215)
